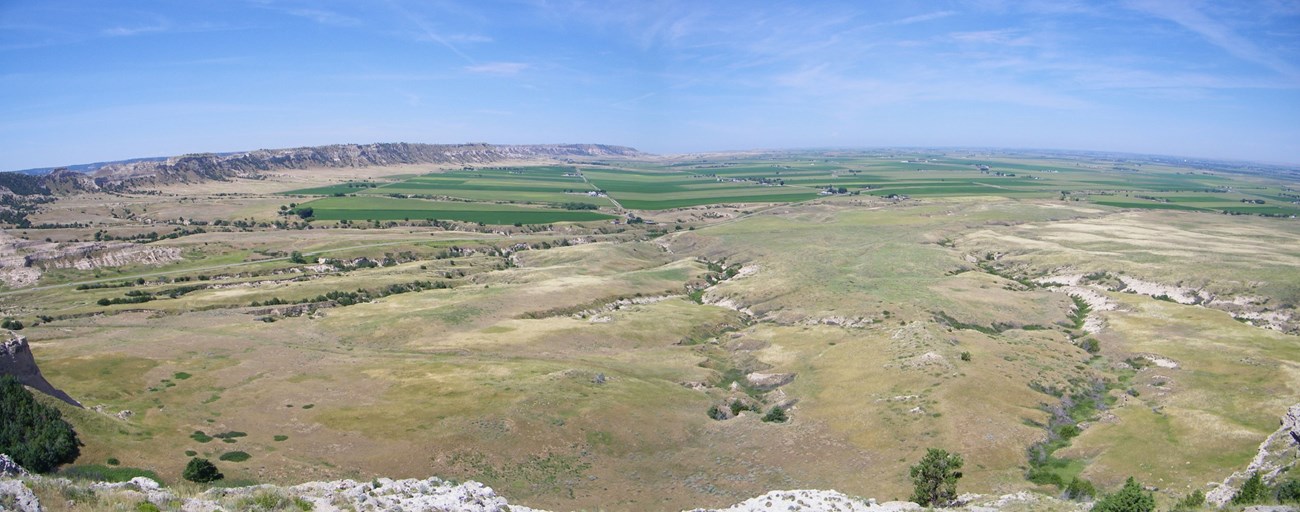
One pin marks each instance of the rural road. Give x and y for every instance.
(607, 196)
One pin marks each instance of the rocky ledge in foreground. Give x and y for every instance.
(19, 492)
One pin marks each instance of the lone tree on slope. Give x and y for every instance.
(935, 477)
(202, 471)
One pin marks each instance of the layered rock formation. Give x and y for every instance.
(249, 164)
(23, 261)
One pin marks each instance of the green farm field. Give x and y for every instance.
(385, 208)
(541, 184)
(801, 177)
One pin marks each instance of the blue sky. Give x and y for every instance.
(84, 81)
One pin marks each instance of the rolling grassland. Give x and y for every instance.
(574, 363)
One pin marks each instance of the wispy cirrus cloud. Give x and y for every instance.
(467, 38)
(920, 18)
(325, 17)
(851, 91)
(498, 68)
(123, 31)
(1006, 37)
(1193, 18)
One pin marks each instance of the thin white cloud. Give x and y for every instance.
(922, 18)
(1190, 17)
(133, 31)
(325, 17)
(429, 32)
(498, 68)
(852, 91)
(1004, 37)
(467, 38)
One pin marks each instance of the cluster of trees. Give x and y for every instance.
(345, 298)
(32, 433)
(152, 236)
(131, 298)
(1254, 492)
(935, 477)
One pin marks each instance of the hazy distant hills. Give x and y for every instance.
(218, 166)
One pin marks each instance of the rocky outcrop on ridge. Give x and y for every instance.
(10, 468)
(434, 494)
(1276, 454)
(16, 359)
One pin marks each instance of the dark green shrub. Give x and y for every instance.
(1192, 501)
(1044, 476)
(235, 456)
(32, 433)
(1130, 498)
(775, 415)
(1287, 492)
(201, 471)
(1068, 431)
(1080, 489)
(717, 413)
(1253, 491)
(935, 477)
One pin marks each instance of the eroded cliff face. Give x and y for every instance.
(208, 166)
(16, 359)
(23, 261)
(249, 164)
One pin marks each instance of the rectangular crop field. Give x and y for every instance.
(551, 184)
(384, 208)
(642, 190)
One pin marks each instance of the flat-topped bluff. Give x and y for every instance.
(248, 164)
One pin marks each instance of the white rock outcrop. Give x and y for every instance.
(1275, 454)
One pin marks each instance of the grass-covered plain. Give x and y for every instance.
(573, 364)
